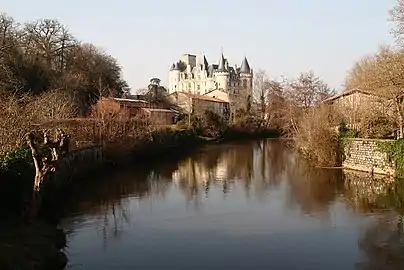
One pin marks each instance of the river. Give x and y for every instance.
(246, 205)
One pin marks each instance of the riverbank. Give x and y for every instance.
(168, 144)
(31, 246)
(72, 171)
(17, 170)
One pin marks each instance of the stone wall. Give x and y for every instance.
(364, 155)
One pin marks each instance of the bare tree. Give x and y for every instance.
(275, 105)
(308, 90)
(383, 75)
(42, 56)
(356, 74)
(397, 16)
(261, 89)
(50, 39)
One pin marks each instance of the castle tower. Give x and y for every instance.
(222, 74)
(246, 76)
(174, 78)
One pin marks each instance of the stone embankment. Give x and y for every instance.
(365, 155)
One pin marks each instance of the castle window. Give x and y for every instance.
(245, 83)
(198, 87)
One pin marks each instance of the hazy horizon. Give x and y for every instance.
(283, 37)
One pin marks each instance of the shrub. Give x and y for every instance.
(248, 124)
(19, 115)
(316, 137)
(346, 132)
(16, 175)
(208, 124)
(378, 127)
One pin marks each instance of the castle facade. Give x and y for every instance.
(195, 75)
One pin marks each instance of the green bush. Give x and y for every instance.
(346, 132)
(208, 124)
(395, 152)
(16, 175)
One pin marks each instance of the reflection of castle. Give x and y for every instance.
(197, 173)
(224, 169)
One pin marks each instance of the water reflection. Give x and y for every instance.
(224, 197)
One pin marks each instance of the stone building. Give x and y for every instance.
(355, 103)
(157, 113)
(190, 103)
(195, 75)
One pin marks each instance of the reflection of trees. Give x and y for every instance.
(383, 244)
(311, 188)
(256, 167)
(273, 162)
(383, 241)
(109, 198)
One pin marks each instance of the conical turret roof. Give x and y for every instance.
(245, 67)
(221, 66)
(205, 62)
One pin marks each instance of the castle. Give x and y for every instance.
(197, 76)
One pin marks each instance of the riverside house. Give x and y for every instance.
(354, 102)
(157, 113)
(189, 103)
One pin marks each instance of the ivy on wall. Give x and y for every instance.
(395, 153)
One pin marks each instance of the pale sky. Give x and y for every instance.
(284, 37)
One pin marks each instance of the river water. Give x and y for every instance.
(249, 205)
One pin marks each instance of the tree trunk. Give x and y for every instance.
(45, 165)
(400, 113)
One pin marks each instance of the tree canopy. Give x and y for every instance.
(42, 56)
